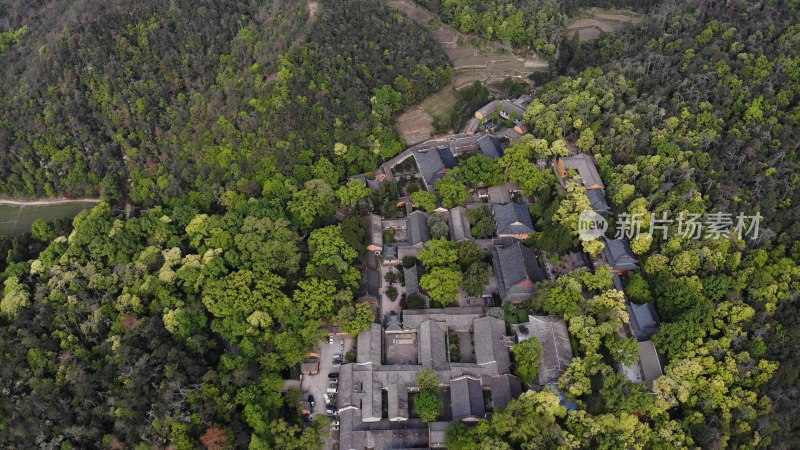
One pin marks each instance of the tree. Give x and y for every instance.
(352, 192)
(424, 200)
(427, 380)
(15, 297)
(641, 243)
(353, 319)
(439, 253)
(620, 395)
(468, 254)
(216, 438)
(452, 190)
(41, 230)
(314, 202)
(479, 170)
(439, 226)
(481, 219)
(392, 293)
(427, 405)
(476, 278)
(316, 296)
(332, 257)
(442, 284)
(527, 356)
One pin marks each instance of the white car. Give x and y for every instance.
(332, 388)
(335, 425)
(330, 339)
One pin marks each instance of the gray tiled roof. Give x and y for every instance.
(586, 168)
(515, 264)
(504, 389)
(651, 363)
(472, 125)
(619, 254)
(466, 398)
(488, 108)
(643, 320)
(490, 146)
(430, 164)
(551, 332)
(432, 351)
(370, 282)
(411, 280)
(512, 109)
(418, 232)
(512, 218)
(597, 200)
(393, 324)
(459, 224)
(375, 235)
(369, 345)
(490, 348)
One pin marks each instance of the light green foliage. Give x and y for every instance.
(427, 405)
(352, 192)
(313, 202)
(316, 296)
(479, 170)
(526, 357)
(332, 257)
(439, 252)
(442, 284)
(427, 380)
(518, 166)
(15, 297)
(424, 200)
(355, 318)
(452, 190)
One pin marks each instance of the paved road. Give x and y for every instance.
(316, 385)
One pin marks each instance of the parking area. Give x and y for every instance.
(317, 385)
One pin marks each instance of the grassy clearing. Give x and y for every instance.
(15, 219)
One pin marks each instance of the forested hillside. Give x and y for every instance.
(177, 327)
(695, 111)
(151, 100)
(232, 126)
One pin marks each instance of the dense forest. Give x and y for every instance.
(695, 111)
(178, 326)
(151, 101)
(232, 126)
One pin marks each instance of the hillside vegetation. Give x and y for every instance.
(149, 101)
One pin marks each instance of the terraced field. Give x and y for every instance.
(473, 59)
(593, 22)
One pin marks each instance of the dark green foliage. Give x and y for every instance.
(172, 97)
(481, 220)
(521, 23)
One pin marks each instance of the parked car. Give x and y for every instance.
(332, 388)
(341, 346)
(335, 425)
(311, 401)
(337, 358)
(334, 376)
(330, 339)
(330, 408)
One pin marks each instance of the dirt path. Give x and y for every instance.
(55, 201)
(313, 7)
